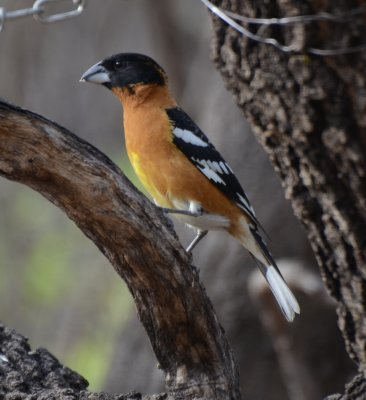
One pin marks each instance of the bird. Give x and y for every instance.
(180, 167)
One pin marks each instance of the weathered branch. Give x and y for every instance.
(309, 114)
(178, 317)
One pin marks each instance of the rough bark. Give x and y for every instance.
(27, 374)
(308, 113)
(134, 235)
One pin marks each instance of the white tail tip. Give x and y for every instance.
(282, 293)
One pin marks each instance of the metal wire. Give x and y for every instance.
(342, 17)
(230, 18)
(40, 11)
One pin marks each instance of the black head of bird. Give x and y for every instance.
(125, 70)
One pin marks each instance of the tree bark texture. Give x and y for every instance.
(138, 241)
(308, 112)
(27, 374)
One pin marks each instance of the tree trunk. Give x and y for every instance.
(138, 241)
(308, 113)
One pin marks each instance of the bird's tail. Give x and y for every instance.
(257, 247)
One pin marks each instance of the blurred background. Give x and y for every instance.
(55, 286)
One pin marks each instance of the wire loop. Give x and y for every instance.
(40, 14)
(39, 11)
(2, 18)
(344, 17)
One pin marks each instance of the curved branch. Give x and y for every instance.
(135, 237)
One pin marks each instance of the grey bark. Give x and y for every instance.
(308, 113)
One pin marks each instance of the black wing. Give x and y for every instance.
(194, 144)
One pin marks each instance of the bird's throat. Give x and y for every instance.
(152, 95)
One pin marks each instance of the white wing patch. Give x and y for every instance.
(245, 203)
(219, 167)
(224, 167)
(210, 173)
(213, 169)
(216, 171)
(189, 137)
(216, 167)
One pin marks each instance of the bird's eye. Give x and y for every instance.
(118, 64)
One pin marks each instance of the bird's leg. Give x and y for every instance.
(200, 235)
(183, 212)
(196, 213)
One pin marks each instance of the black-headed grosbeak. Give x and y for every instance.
(180, 167)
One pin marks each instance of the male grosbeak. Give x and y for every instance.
(180, 167)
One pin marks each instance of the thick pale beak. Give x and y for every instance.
(96, 74)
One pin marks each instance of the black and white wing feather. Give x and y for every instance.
(194, 144)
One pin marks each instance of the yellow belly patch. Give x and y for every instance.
(159, 198)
